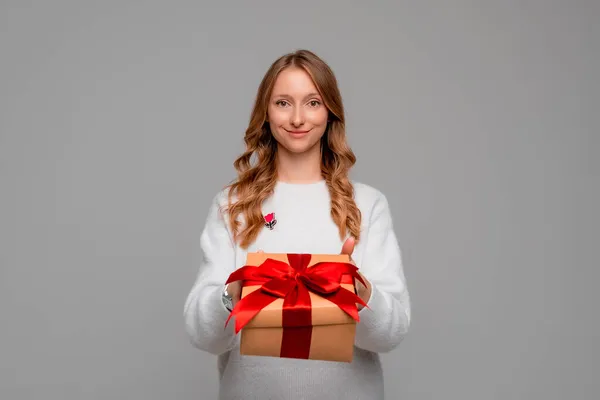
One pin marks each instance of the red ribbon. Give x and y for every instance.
(292, 281)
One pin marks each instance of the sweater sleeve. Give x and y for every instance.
(385, 322)
(204, 311)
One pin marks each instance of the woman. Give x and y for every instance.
(293, 195)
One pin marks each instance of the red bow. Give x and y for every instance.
(292, 282)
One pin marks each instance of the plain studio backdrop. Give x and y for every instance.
(120, 120)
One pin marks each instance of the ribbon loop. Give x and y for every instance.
(279, 287)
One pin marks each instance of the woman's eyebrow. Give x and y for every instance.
(313, 94)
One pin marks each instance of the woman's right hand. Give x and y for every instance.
(234, 289)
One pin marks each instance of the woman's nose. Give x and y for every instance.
(297, 117)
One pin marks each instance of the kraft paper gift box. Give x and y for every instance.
(297, 306)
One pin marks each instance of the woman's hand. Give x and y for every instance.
(234, 289)
(364, 292)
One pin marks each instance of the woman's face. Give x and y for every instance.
(296, 113)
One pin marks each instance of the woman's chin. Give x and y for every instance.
(298, 147)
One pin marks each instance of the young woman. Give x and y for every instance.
(293, 195)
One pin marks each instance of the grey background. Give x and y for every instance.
(120, 120)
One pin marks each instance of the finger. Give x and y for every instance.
(234, 288)
(235, 292)
(348, 247)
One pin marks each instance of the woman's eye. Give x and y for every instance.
(281, 103)
(314, 103)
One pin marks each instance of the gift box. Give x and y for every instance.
(297, 306)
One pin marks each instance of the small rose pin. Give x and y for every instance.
(270, 220)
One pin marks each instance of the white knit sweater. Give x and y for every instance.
(304, 225)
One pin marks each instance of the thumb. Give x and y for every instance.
(348, 246)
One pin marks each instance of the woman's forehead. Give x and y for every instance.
(294, 82)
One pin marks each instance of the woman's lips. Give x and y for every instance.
(297, 133)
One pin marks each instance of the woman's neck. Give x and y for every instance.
(299, 168)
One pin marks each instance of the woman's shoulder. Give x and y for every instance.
(220, 199)
(367, 194)
(372, 203)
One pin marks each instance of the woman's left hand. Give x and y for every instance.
(364, 292)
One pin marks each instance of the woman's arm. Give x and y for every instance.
(204, 311)
(385, 322)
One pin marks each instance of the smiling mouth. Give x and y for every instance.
(296, 132)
